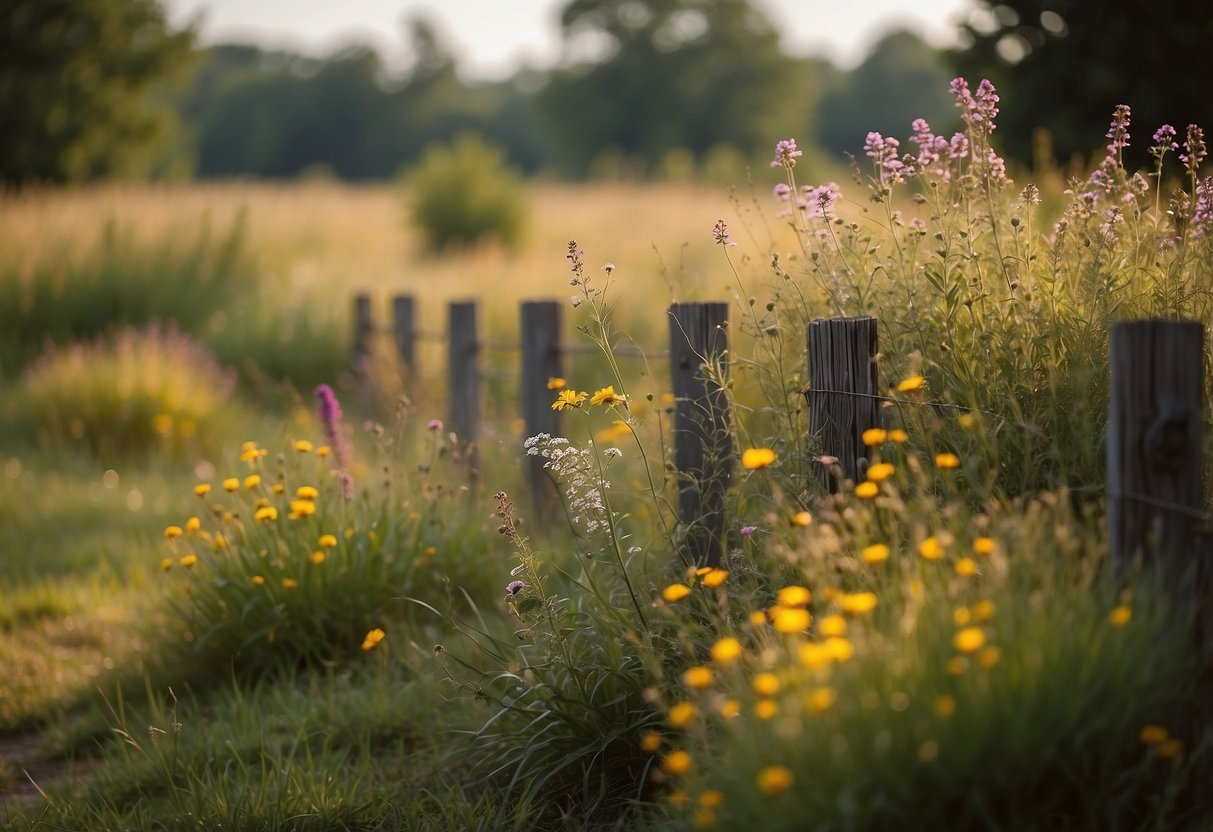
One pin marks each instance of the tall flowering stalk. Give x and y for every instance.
(331, 422)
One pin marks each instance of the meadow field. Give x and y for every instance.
(244, 585)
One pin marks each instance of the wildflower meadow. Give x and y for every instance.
(248, 586)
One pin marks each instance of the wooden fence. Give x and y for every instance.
(1155, 501)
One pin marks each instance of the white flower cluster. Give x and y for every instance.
(576, 470)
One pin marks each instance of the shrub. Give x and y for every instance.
(464, 194)
(142, 390)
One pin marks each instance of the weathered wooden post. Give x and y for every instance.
(463, 339)
(364, 330)
(1155, 502)
(541, 360)
(844, 397)
(405, 327)
(703, 445)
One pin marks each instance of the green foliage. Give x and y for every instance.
(141, 391)
(676, 74)
(296, 562)
(1141, 54)
(76, 85)
(186, 277)
(463, 194)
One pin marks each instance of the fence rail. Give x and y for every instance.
(1155, 499)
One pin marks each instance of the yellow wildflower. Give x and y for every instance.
(730, 708)
(711, 799)
(912, 384)
(765, 684)
(607, 396)
(961, 616)
(726, 650)
(257, 580)
(875, 553)
(754, 459)
(303, 446)
(774, 780)
(990, 656)
(265, 514)
(1153, 735)
(931, 549)
(858, 603)
(880, 472)
(969, 640)
(327, 541)
(947, 461)
(373, 638)
(192, 525)
(568, 398)
(838, 649)
(189, 560)
(714, 577)
(821, 700)
(676, 763)
(899, 436)
(874, 436)
(682, 715)
(766, 709)
(307, 492)
(166, 564)
(252, 481)
(556, 383)
(867, 490)
(794, 596)
(802, 518)
(289, 583)
(323, 451)
(985, 546)
(966, 567)
(983, 611)
(698, 677)
(814, 655)
(791, 620)
(832, 625)
(202, 489)
(650, 742)
(675, 593)
(1120, 617)
(302, 508)
(172, 532)
(231, 484)
(317, 557)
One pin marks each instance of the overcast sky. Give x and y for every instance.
(491, 38)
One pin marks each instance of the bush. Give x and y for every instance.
(142, 390)
(464, 194)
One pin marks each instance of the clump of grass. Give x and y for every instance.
(291, 560)
(143, 390)
(66, 296)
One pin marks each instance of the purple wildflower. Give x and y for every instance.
(1202, 212)
(720, 233)
(884, 153)
(1164, 140)
(785, 154)
(818, 202)
(930, 148)
(575, 264)
(514, 587)
(1194, 149)
(782, 191)
(746, 531)
(334, 433)
(1118, 132)
(434, 425)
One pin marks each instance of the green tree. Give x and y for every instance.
(668, 75)
(78, 80)
(1063, 65)
(901, 80)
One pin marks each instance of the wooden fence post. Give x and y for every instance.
(405, 327)
(541, 360)
(364, 330)
(703, 445)
(843, 389)
(463, 339)
(1155, 503)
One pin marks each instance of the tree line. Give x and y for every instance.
(106, 88)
